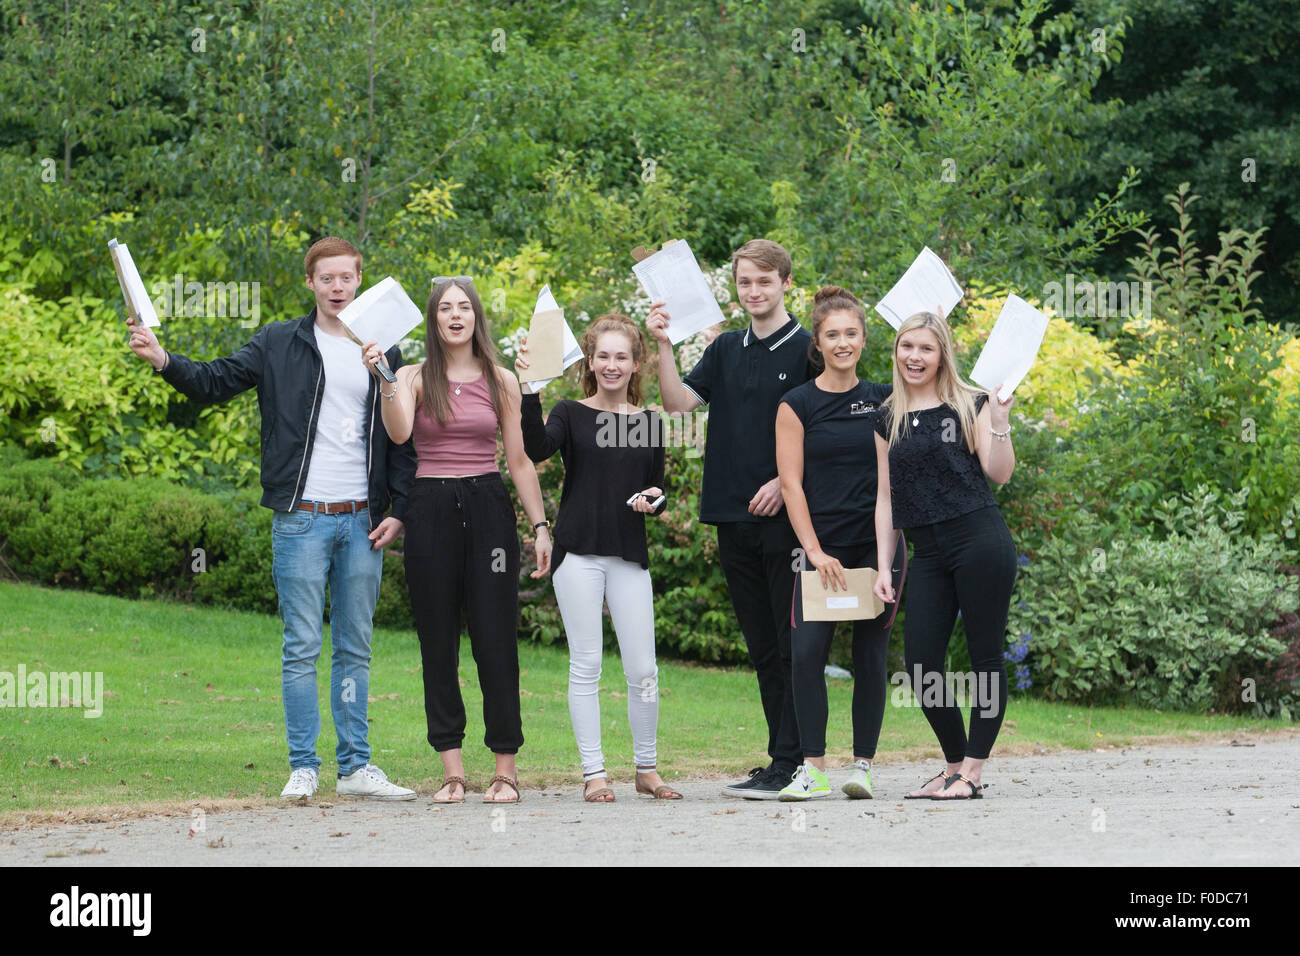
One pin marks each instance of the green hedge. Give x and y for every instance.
(149, 538)
(1189, 619)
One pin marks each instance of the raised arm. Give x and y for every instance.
(541, 441)
(997, 457)
(216, 381)
(399, 409)
(677, 398)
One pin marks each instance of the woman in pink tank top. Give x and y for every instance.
(461, 544)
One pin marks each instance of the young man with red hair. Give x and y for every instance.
(742, 377)
(330, 474)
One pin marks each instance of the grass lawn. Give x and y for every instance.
(192, 712)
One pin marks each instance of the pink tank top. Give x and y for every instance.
(467, 444)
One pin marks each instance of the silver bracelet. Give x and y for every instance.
(1000, 436)
(389, 395)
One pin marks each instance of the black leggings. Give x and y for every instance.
(969, 563)
(462, 554)
(810, 644)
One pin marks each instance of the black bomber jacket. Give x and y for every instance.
(282, 362)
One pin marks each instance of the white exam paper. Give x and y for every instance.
(384, 313)
(133, 291)
(572, 350)
(926, 283)
(1012, 347)
(672, 276)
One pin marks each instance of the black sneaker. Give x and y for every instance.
(743, 788)
(768, 784)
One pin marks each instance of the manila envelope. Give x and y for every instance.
(856, 604)
(546, 345)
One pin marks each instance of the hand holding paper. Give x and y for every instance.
(137, 299)
(926, 283)
(1011, 348)
(552, 346)
(384, 313)
(672, 275)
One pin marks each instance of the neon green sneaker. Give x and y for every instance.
(859, 785)
(809, 783)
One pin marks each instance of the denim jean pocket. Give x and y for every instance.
(291, 522)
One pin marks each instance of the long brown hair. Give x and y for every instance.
(951, 389)
(831, 298)
(433, 377)
(613, 322)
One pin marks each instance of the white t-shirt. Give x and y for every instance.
(337, 471)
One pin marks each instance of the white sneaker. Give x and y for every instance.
(371, 782)
(302, 784)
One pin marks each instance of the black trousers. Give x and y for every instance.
(969, 563)
(811, 648)
(757, 559)
(462, 562)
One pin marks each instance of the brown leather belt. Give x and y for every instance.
(332, 508)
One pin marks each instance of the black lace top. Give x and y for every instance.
(932, 477)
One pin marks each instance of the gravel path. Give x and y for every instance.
(1217, 805)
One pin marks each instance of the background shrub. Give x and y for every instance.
(1173, 620)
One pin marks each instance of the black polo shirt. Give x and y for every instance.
(742, 378)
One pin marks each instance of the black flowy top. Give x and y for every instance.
(608, 457)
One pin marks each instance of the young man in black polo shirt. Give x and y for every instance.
(741, 377)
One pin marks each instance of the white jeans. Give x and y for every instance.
(582, 583)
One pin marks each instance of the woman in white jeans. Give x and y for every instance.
(613, 453)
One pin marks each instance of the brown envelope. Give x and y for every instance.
(545, 346)
(856, 604)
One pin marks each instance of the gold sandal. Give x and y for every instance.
(464, 789)
(513, 784)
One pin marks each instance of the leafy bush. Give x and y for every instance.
(133, 538)
(25, 488)
(1195, 404)
(1174, 621)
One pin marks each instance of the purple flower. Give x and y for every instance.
(1019, 650)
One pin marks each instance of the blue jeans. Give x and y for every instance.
(308, 551)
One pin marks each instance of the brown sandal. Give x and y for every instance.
(600, 794)
(513, 784)
(661, 792)
(464, 789)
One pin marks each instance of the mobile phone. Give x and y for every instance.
(654, 502)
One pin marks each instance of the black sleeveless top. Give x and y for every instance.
(932, 477)
(839, 459)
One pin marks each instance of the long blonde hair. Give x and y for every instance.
(951, 389)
